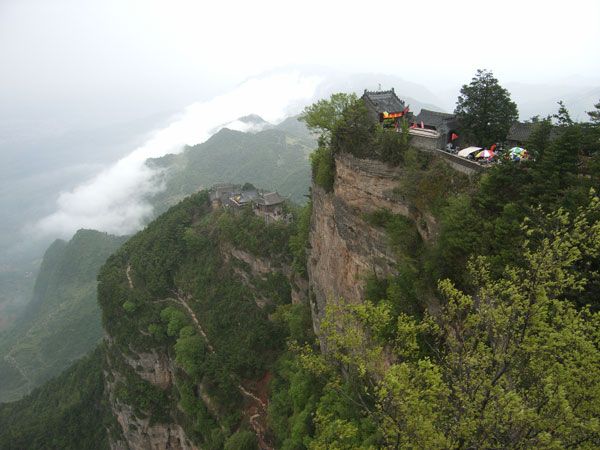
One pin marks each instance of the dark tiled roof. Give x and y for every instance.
(222, 192)
(433, 118)
(272, 198)
(520, 131)
(382, 101)
(243, 198)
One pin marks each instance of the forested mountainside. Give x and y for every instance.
(68, 412)
(15, 290)
(406, 306)
(275, 158)
(62, 321)
(195, 310)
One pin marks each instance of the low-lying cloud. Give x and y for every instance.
(115, 199)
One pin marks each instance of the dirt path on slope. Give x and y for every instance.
(257, 411)
(13, 362)
(128, 273)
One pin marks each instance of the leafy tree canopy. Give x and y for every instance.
(323, 116)
(595, 114)
(511, 365)
(485, 110)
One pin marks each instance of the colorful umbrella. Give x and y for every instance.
(518, 153)
(485, 154)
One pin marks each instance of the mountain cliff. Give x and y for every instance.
(407, 305)
(61, 322)
(198, 307)
(191, 309)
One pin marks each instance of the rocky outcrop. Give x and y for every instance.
(260, 268)
(345, 248)
(367, 185)
(153, 367)
(138, 433)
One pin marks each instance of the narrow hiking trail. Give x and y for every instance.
(257, 411)
(13, 362)
(128, 273)
(183, 301)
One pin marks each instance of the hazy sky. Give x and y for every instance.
(120, 57)
(85, 66)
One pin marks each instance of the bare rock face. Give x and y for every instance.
(345, 249)
(258, 266)
(367, 185)
(138, 433)
(153, 367)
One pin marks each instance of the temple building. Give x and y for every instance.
(445, 124)
(269, 206)
(385, 107)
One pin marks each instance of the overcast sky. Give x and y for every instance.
(121, 57)
(74, 72)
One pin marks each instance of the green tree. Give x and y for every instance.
(354, 132)
(556, 171)
(242, 440)
(591, 144)
(511, 365)
(323, 116)
(322, 165)
(485, 109)
(539, 140)
(563, 117)
(595, 114)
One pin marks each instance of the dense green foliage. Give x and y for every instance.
(299, 240)
(485, 110)
(68, 412)
(242, 440)
(62, 321)
(323, 117)
(323, 168)
(511, 358)
(345, 127)
(512, 365)
(190, 257)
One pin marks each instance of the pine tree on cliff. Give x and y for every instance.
(485, 110)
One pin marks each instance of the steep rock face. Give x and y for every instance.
(367, 185)
(345, 248)
(138, 433)
(260, 267)
(153, 367)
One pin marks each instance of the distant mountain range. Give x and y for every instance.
(276, 158)
(62, 321)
